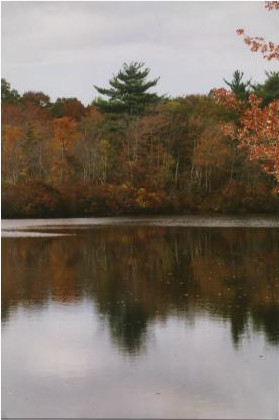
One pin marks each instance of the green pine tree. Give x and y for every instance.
(128, 92)
(239, 88)
(269, 90)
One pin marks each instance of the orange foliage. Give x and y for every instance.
(63, 134)
(258, 129)
(94, 114)
(270, 50)
(11, 135)
(63, 128)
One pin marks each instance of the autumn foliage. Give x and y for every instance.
(174, 159)
(257, 127)
(199, 153)
(268, 49)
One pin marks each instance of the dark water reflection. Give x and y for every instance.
(141, 322)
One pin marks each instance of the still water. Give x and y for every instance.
(140, 318)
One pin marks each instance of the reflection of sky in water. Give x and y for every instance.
(60, 361)
(137, 320)
(24, 228)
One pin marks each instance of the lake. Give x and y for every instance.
(162, 317)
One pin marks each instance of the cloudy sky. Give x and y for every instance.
(63, 48)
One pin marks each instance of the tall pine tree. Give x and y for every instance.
(128, 92)
(239, 88)
(269, 90)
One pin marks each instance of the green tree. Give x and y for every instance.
(269, 90)
(8, 95)
(240, 88)
(128, 92)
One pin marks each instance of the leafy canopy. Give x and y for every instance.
(8, 95)
(128, 91)
(37, 98)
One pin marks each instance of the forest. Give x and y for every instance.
(132, 151)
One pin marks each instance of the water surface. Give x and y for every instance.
(147, 318)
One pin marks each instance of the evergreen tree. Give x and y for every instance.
(238, 87)
(269, 90)
(128, 92)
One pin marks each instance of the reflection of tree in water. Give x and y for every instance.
(138, 274)
(128, 324)
(238, 316)
(267, 319)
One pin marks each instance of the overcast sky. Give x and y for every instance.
(63, 48)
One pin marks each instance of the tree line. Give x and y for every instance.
(131, 151)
